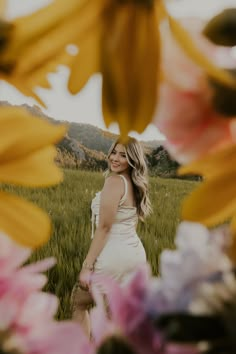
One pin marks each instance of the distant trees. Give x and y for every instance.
(161, 164)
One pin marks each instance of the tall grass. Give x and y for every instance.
(69, 207)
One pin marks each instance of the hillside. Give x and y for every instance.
(72, 154)
(100, 140)
(85, 146)
(91, 137)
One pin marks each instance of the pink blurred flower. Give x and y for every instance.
(27, 322)
(17, 284)
(125, 315)
(122, 319)
(185, 114)
(60, 337)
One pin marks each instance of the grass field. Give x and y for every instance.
(69, 207)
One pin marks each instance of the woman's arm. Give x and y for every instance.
(110, 197)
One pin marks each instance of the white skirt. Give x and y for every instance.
(120, 257)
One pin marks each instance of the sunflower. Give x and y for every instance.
(26, 159)
(213, 202)
(120, 39)
(2, 6)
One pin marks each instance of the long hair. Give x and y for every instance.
(138, 173)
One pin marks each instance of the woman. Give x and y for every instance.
(115, 250)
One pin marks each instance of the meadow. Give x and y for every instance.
(69, 207)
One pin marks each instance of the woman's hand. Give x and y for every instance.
(85, 278)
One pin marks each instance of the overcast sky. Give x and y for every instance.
(85, 106)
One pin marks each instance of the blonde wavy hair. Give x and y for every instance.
(138, 173)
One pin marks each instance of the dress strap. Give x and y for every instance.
(126, 189)
(92, 222)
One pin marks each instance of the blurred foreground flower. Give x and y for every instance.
(193, 301)
(165, 315)
(192, 123)
(26, 159)
(26, 313)
(214, 201)
(200, 128)
(199, 254)
(153, 314)
(123, 323)
(2, 6)
(119, 39)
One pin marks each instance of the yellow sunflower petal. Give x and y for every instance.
(46, 32)
(109, 112)
(212, 164)
(46, 18)
(147, 56)
(27, 91)
(233, 228)
(47, 47)
(23, 221)
(22, 133)
(2, 7)
(232, 245)
(129, 65)
(115, 49)
(40, 76)
(49, 39)
(21, 85)
(213, 202)
(189, 47)
(33, 170)
(28, 29)
(86, 62)
(160, 10)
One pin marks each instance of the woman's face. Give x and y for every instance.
(117, 159)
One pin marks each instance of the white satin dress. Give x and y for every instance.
(124, 251)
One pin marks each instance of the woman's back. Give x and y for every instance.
(129, 198)
(123, 251)
(116, 249)
(126, 216)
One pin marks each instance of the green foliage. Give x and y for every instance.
(69, 207)
(160, 163)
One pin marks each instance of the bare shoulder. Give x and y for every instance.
(114, 183)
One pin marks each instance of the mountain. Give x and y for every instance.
(85, 146)
(73, 154)
(91, 137)
(97, 139)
